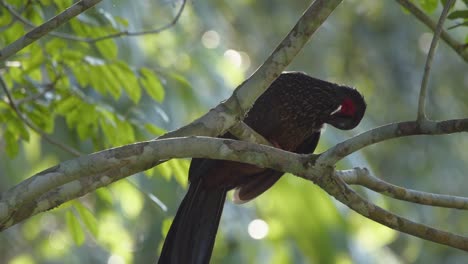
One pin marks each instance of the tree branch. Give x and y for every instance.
(144, 32)
(459, 48)
(427, 68)
(335, 186)
(46, 27)
(362, 177)
(104, 167)
(66, 181)
(242, 131)
(389, 131)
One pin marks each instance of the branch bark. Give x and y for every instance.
(389, 131)
(363, 177)
(337, 188)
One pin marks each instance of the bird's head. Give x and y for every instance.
(350, 108)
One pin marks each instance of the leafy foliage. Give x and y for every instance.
(78, 81)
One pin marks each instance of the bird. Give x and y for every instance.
(290, 114)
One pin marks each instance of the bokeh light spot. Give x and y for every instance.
(258, 229)
(210, 39)
(115, 259)
(234, 57)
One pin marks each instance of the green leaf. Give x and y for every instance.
(165, 226)
(5, 17)
(75, 228)
(458, 14)
(108, 124)
(103, 81)
(63, 4)
(54, 45)
(88, 218)
(105, 195)
(155, 130)
(87, 128)
(165, 170)
(73, 116)
(121, 20)
(81, 72)
(11, 143)
(16, 126)
(180, 170)
(107, 48)
(71, 55)
(13, 33)
(66, 105)
(41, 116)
(126, 77)
(126, 132)
(429, 5)
(79, 28)
(152, 84)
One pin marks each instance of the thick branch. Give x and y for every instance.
(110, 165)
(76, 177)
(105, 167)
(47, 27)
(362, 177)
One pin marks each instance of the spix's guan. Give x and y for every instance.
(290, 114)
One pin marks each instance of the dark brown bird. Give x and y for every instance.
(290, 114)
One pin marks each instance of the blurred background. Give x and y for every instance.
(181, 73)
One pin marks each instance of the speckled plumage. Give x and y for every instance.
(290, 114)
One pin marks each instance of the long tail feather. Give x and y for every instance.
(193, 231)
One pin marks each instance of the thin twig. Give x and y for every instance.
(430, 56)
(94, 40)
(46, 27)
(145, 32)
(48, 87)
(362, 177)
(32, 126)
(459, 48)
